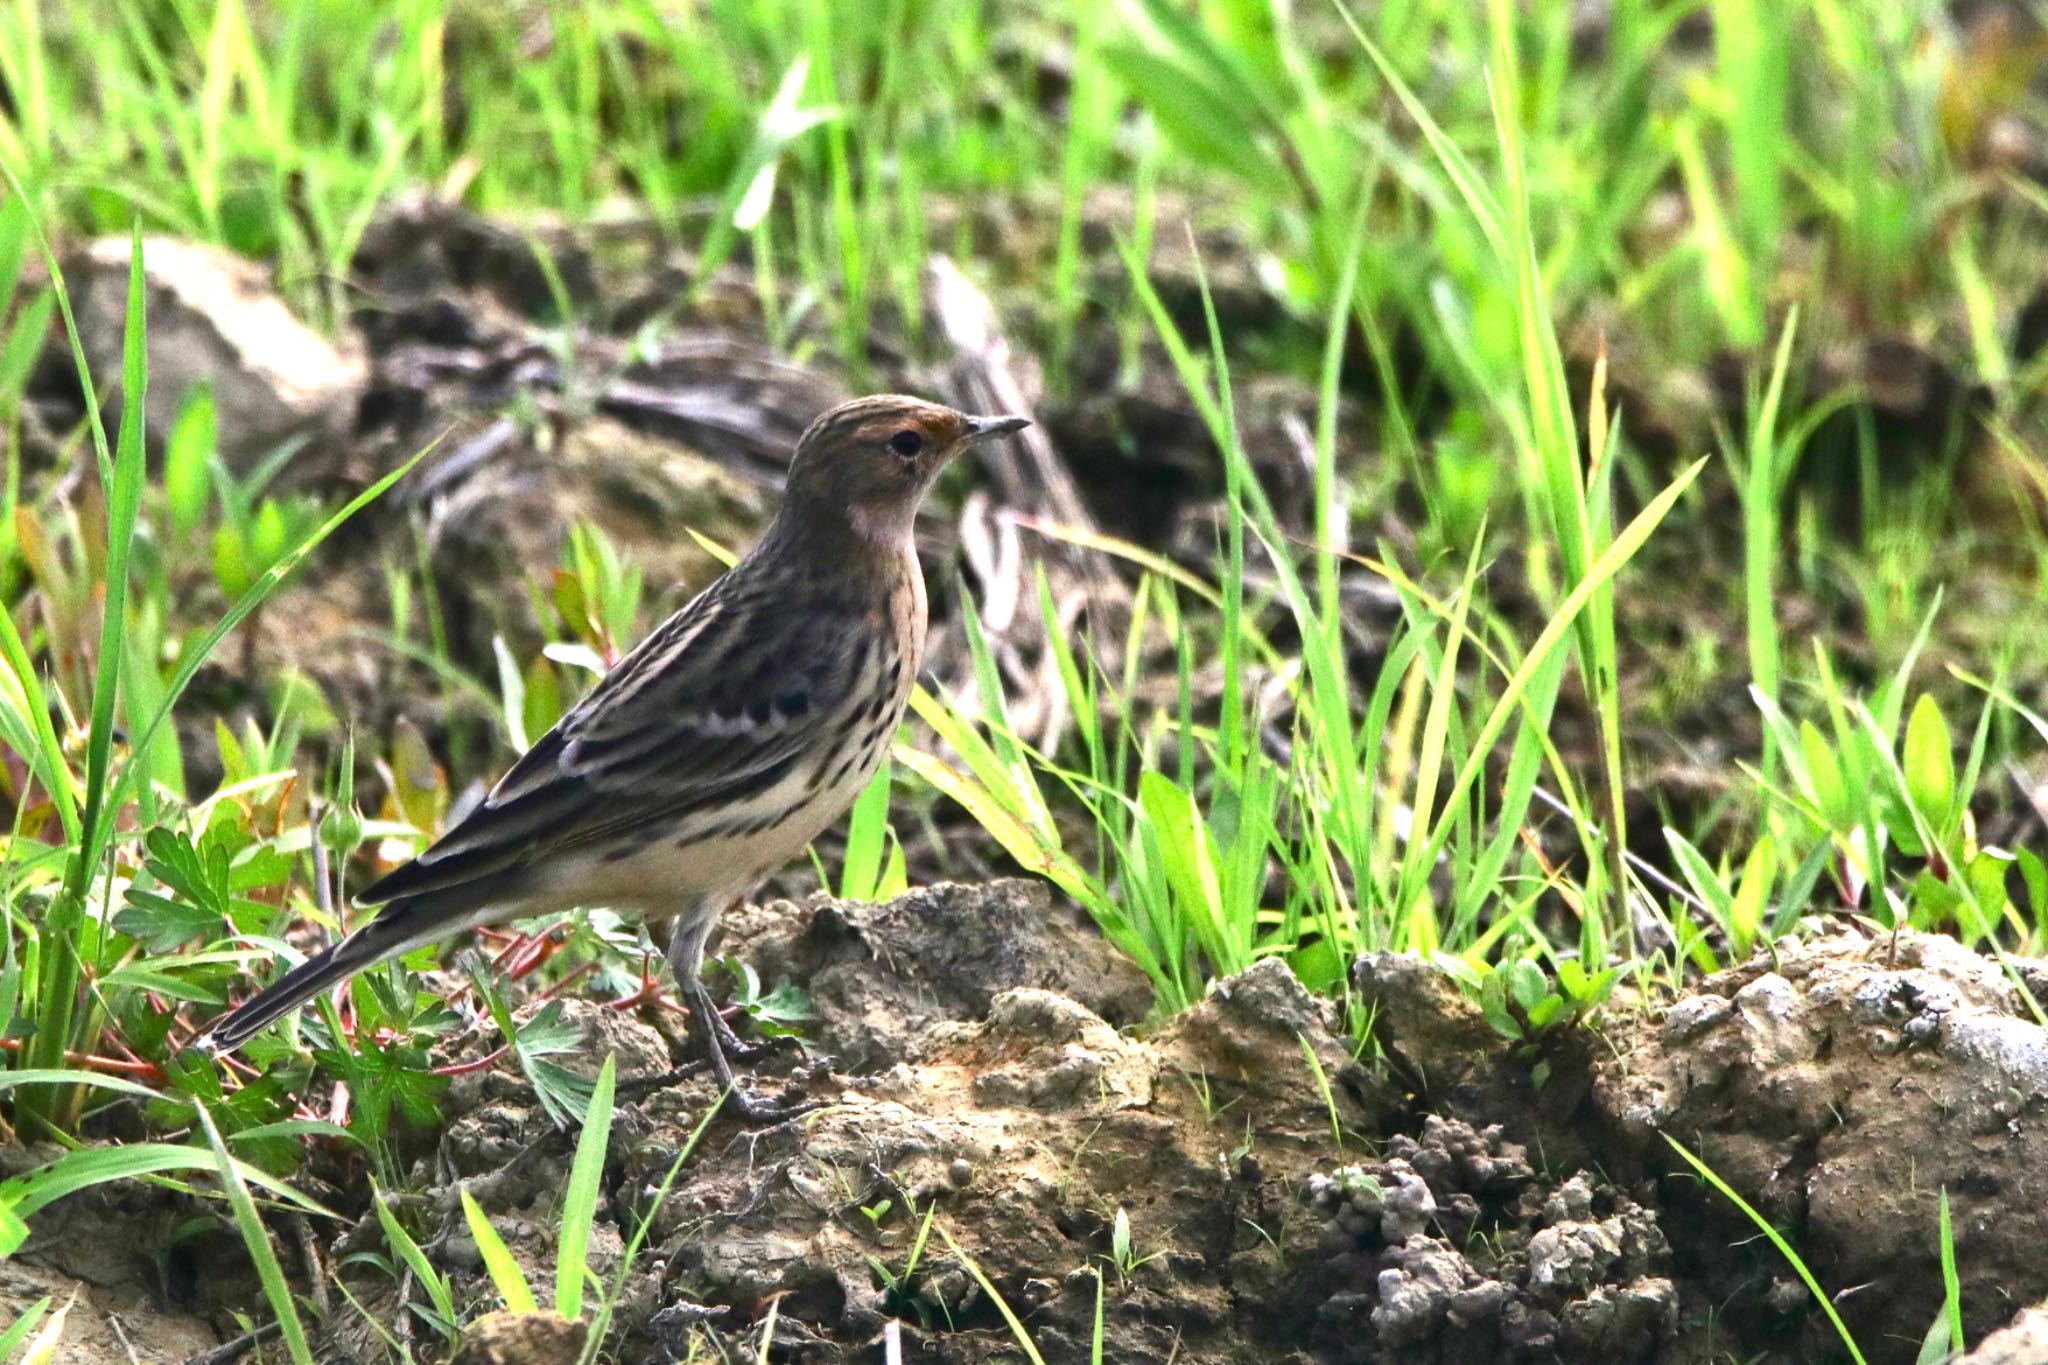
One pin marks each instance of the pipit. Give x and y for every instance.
(716, 750)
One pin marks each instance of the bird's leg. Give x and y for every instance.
(722, 1046)
(686, 960)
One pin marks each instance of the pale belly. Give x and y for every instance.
(666, 871)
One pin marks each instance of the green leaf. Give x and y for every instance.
(1830, 794)
(188, 454)
(1202, 119)
(543, 706)
(1952, 1285)
(1493, 1003)
(257, 1241)
(17, 1332)
(162, 924)
(232, 567)
(1935, 902)
(2035, 874)
(402, 1244)
(579, 1203)
(24, 346)
(785, 1003)
(1986, 876)
(1526, 982)
(1746, 910)
(1929, 765)
(505, 1274)
(25, 1195)
(867, 838)
(1188, 851)
(16, 228)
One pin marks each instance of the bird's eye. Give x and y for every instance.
(906, 443)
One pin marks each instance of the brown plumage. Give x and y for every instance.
(718, 748)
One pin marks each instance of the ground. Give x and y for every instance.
(1427, 1202)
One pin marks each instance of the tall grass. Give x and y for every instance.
(70, 946)
(1378, 790)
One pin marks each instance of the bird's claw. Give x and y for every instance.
(737, 1050)
(752, 1108)
(722, 1047)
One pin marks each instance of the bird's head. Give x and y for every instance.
(866, 465)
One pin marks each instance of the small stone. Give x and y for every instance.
(520, 1339)
(961, 1173)
(1571, 1257)
(1410, 1206)
(1571, 1200)
(1694, 1015)
(1418, 1289)
(2022, 1342)
(214, 319)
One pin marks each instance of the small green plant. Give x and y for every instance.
(257, 531)
(574, 1280)
(439, 1314)
(1530, 1009)
(533, 1043)
(1123, 1256)
(778, 1012)
(1879, 789)
(76, 981)
(596, 598)
(901, 1289)
(1329, 1096)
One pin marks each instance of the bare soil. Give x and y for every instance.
(1423, 1201)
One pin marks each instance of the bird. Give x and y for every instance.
(714, 751)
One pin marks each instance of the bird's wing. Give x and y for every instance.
(714, 707)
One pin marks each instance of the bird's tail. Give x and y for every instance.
(402, 925)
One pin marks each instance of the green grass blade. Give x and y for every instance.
(973, 1268)
(1776, 1239)
(15, 1335)
(195, 656)
(250, 1224)
(505, 1273)
(579, 1202)
(124, 505)
(1618, 554)
(408, 1251)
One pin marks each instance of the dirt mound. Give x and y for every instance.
(1242, 1186)
(1841, 1086)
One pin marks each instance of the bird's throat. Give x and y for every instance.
(886, 526)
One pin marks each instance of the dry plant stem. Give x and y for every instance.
(309, 1252)
(232, 1350)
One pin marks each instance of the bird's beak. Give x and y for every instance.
(981, 429)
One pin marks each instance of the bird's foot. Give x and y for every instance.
(722, 1048)
(749, 1107)
(730, 1042)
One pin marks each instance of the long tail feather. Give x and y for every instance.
(403, 925)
